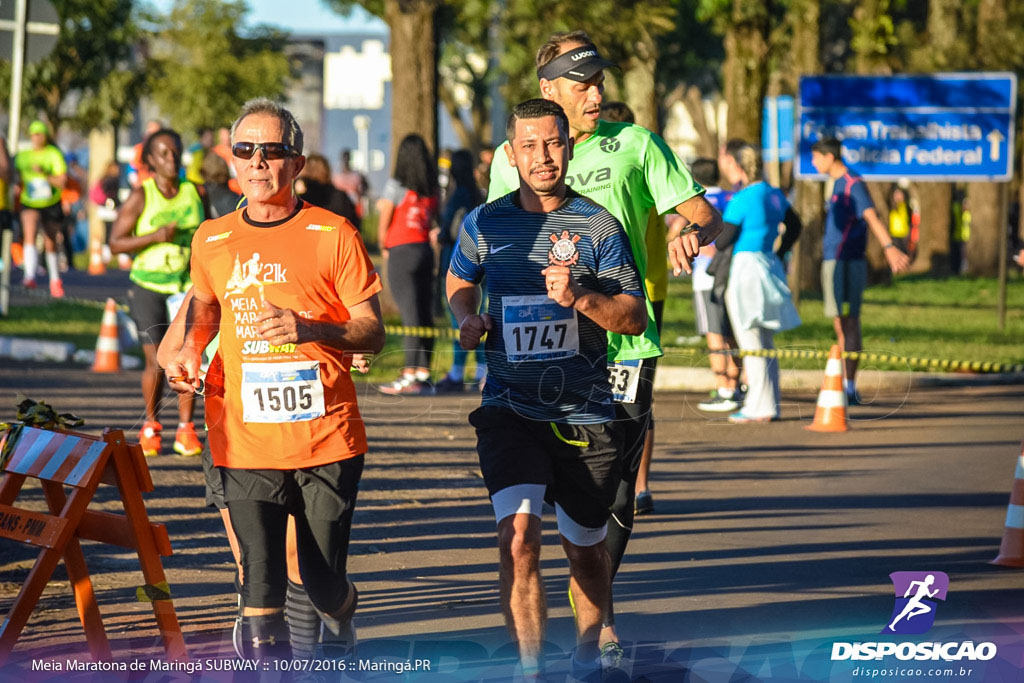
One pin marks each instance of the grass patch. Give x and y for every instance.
(952, 319)
(56, 321)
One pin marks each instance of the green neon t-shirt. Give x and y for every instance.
(628, 170)
(35, 166)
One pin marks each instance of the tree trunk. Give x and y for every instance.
(809, 203)
(640, 85)
(984, 200)
(455, 115)
(746, 68)
(933, 248)
(878, 267)
(413, 70)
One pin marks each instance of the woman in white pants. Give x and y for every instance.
(757, 297)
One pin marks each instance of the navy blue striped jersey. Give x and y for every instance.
(545, 361)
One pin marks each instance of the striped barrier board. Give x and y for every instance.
(79, 462)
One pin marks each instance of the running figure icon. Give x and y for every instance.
(916, 607)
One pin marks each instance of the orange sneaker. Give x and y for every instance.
(56, 289)
(186, 441)
(17, 253)
(149, 439)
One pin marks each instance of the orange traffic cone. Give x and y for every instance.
(830, 415)
(108, 349)
(1011, 551)
(96, 265)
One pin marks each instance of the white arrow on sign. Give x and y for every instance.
(995, 138)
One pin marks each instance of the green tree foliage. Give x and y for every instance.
(624, 30)
(96, 40)
(203, 69)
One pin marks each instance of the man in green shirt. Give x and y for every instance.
(628, 170)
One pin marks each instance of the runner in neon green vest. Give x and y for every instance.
(41, 175)
(156, 223)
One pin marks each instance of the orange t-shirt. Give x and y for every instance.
(288, 406)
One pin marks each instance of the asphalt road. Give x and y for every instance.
(769, 543)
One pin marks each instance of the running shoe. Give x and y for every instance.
(124, 261)
(236, 629)
(186, 441)
(742, 418)
(17, 253)
(342, 644)
(447, 385)
(149, 439)
(720, 404)
(29, 284)
(56, 289)
(853, 398)
(611, 656)
(405, 385)
(643, 504)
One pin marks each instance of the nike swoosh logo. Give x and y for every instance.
(495, 250)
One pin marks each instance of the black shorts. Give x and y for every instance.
(50, 215)
(214, 485)
(582, 479)
(711, 315)
(323, 492)
(149, 311)
(636, 418)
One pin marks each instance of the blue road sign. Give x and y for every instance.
(777, 127)
(951, 127)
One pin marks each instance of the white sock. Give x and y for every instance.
(51, 266)
(423, 375)
(31, 262)
(726, 393)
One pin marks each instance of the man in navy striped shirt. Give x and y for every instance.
(560, 275)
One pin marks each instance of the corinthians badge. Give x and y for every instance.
(563, 251)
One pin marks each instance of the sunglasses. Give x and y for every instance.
(270, 150)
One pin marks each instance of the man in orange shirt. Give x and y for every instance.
(293, 294)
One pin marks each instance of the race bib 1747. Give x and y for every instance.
(536, 328)
(282, 392)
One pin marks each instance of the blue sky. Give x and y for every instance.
(304, 16)
(309, 16)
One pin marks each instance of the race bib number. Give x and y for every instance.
(624, 376)
(282, 392)
(536, 328)
(39, 188)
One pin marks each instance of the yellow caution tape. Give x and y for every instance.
(887, 358)
(433, 332)
(153, 593)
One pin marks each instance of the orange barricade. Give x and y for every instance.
(64, 459)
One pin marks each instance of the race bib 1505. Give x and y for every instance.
(282, 392)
